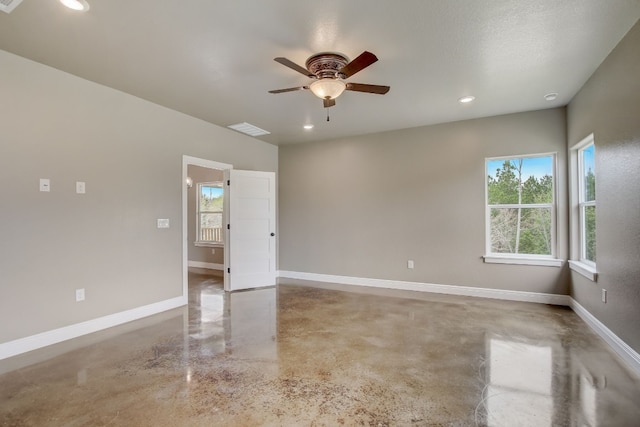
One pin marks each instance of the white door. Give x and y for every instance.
(251, 241)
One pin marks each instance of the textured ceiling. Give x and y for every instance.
(214, 59)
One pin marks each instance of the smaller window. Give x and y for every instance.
(209, 211)
(587, 201)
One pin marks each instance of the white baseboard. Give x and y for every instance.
(433, 288)
(207, 265)
(618, 345)
(33, 342)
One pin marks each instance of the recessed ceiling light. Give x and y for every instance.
(551, 96)
(466, 99)
(79, 5)
(308, 127)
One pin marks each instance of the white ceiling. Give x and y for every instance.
(214, 59)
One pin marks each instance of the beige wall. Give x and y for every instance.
(200, 253)
(129, 152)
(363, 206)
(609, 106)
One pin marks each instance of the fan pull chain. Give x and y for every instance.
(327, 114)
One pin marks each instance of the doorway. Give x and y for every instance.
(203, 242)
(249, 205)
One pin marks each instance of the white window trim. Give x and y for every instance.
(584, 269)
(580, 264)
(209, 244)
(205, 243)
(523, 259)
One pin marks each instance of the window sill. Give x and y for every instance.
(209, 244)
(546, 262)
(584, 269)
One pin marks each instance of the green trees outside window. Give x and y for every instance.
(210, 205)
(521, 205)
(587, 202)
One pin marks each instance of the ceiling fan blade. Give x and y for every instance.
(290, 89)
(363, 61)
(328, 102)
(293, 66)
(359, 87)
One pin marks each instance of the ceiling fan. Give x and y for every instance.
(330, 70)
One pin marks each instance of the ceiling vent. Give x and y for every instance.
(248, 129)
(8, 5)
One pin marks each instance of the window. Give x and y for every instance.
(521, 210)
(587, 202)
(210, 208)
(583, 208)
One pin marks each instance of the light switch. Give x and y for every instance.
(163, 223)
(80, 187)
(45, 185)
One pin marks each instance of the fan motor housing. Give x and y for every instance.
(326, 65)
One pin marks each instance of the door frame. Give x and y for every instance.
(195, 161)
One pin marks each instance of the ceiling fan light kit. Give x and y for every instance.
(330, 70)
(327, 88)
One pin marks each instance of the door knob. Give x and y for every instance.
(273, 234)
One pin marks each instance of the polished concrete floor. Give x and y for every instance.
(308, 354)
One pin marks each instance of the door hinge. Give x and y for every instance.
(228, 226)
(229, 270)
(228, 182)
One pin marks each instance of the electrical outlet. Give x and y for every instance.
(410, 263)
(79, 295)
(80, 187)
(604, 295)
(163, 223)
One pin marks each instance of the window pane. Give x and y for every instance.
(588, 170)
(589, 215)
(211, 198)
(211, 227)
(521, 231)
(520, 180)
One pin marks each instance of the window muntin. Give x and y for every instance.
(587, 202)
(521, 211)
(209, 211)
